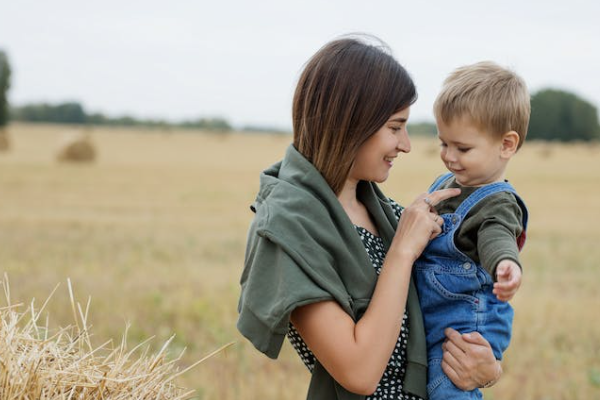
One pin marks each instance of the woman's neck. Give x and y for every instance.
(357, 212)
(347, 196)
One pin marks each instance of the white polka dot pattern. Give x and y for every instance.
(390, 386)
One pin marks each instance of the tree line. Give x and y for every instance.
(75, 113)
(555, 115)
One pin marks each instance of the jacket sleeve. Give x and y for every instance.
(273, 285)
(497, 235)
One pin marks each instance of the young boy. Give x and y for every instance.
(467, 274)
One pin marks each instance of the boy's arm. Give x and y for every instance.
(499, 226)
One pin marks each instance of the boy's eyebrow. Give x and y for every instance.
(454, 142)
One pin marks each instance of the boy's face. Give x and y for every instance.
(472, 155)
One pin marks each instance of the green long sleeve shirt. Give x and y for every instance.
(489, 232)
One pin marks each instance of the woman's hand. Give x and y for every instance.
(420, 223)
(469, 361)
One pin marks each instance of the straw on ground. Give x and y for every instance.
(36, 363)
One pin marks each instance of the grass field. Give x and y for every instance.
(154, 231)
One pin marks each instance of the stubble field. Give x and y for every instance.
(154, 231)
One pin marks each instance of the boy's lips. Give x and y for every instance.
(454, 170)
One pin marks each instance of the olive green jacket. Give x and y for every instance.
(302, 248)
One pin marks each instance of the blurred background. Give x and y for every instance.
(132, 135)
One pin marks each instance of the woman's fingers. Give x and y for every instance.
(429, 201)
(475, 338)
(437, 226)
(456, 339)
(452, 369)
(433, 199)
(420, 222)
(454, 366)
(468, 359)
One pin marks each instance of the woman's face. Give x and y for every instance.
(376, 155)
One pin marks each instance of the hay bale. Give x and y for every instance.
(4, 140)
(76, 147)
(36, 363)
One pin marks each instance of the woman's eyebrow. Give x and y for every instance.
(399, 119)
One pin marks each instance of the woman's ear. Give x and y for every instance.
(510, 142)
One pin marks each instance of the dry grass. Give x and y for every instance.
(39, 363)
(4, 140)
(155, 232)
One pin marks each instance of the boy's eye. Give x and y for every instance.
(464, 149)
(442, 144)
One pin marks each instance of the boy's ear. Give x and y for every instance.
(510, 142)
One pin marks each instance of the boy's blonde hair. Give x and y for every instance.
(494, 98)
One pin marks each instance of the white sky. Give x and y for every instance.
(241, 59)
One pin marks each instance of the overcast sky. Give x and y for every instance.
(241, 59)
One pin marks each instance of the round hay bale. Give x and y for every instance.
(76, 147)
(4, 141)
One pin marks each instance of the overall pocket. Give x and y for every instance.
(456, 281)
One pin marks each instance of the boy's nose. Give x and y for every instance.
(448, 155)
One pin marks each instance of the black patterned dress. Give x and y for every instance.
(390, 385)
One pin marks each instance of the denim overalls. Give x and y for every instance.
(456, 292)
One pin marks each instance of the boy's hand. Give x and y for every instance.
(508, 276)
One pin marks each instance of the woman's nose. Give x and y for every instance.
(403, 145)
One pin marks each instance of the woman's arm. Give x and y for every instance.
(469, 361)
(356, 353)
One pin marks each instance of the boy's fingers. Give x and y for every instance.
(502, 272)
(509, 285)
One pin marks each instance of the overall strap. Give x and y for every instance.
(438, 182)
(482, 193)
(489, 190)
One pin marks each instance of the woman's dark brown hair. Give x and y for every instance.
(346, 92)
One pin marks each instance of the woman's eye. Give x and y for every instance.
(396, 128)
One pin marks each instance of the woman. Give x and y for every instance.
(327, 262)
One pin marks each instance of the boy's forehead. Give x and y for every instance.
(460, 131)
(463, 120)
(462, 125)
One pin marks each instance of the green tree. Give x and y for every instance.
(562, 116)
(70, 113)
(4, 85)
(423, 128)
(67, 113)
(209, 124)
